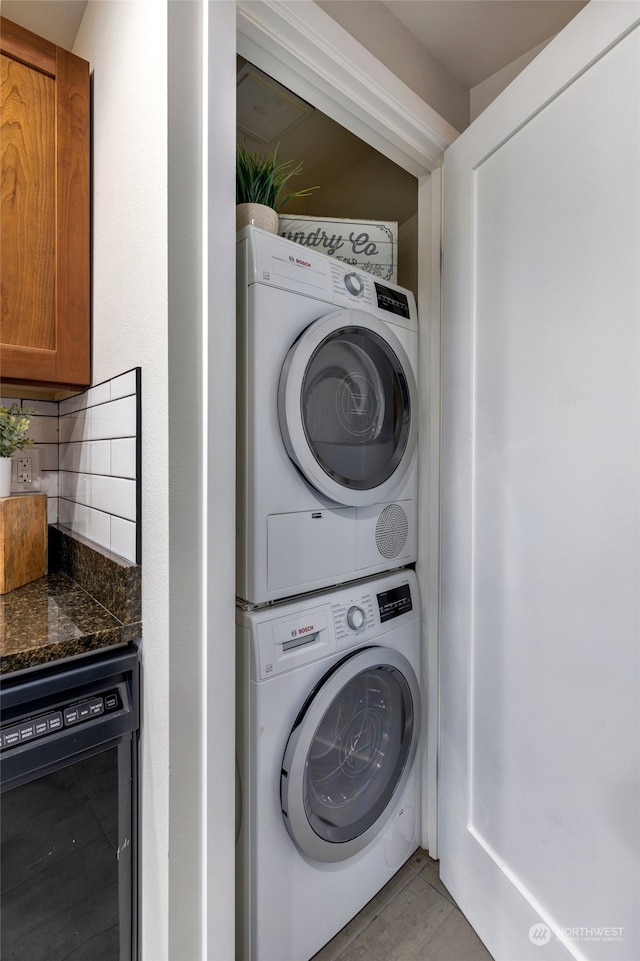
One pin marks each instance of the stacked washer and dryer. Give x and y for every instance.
(328, 617)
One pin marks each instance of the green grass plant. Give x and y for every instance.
(261, 178)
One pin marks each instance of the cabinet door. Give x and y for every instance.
(45, 329)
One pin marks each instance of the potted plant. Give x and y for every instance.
(260, 181)
(14, 424)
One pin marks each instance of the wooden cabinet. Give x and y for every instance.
(45, 267)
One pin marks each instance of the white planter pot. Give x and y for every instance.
(5, 476)
(266, 218)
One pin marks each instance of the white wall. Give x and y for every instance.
(126, 44)
(374, 26)
(376, 189)
(484, 93)
(151, 309)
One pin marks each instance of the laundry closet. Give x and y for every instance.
(331, 719)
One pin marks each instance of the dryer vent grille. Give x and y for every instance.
(392, 530)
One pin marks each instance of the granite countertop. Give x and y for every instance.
(90, 601)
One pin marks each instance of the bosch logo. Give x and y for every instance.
(302, 630)
(300, 263)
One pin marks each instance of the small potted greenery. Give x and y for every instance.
(14, 424)
(260, 181)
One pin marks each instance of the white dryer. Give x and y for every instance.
(327, 421)
(329, 720)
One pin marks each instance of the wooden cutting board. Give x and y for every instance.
(23, 540)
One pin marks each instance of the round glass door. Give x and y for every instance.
(347, 407)
(350, 754)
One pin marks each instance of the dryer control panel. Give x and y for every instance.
(279, 262)
(393, 300)
(351, 285)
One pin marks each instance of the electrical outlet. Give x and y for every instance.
(25, 471)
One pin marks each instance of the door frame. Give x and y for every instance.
(303, 48)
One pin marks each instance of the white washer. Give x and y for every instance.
(329, 718)
(327, 421)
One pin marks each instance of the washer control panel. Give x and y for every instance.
(355, 613)
(290, 635)
(352, 615)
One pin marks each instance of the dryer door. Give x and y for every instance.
(350, 754)
(347, 406)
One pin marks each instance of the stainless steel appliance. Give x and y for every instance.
(68, 770)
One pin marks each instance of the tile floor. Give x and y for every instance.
(413, 918)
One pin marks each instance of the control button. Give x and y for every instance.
(111, 701)
(27, 731)
(71, 715)
(96, 707)
(11, 737)
(354, 284)
(42, 727)
(355, 618)
(55, 721)
(84, 711)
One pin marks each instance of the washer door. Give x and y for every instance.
(350, 753)
(347, 406)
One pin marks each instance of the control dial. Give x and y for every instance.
(356, 618)
(354, 284)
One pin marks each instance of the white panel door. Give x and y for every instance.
(540, 694)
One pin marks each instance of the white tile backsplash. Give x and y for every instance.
(123, 457)
(73, 427)
(113, 495)
(123, 386)
(48, 408)
(52, 510)
(123, 537)
(48, 456)
(115, 419)
(101, 394)
(89, 455)
(95, 525)
(71, 404)
(44, 430)
(49, 484)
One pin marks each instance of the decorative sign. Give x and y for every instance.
(359, 243)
